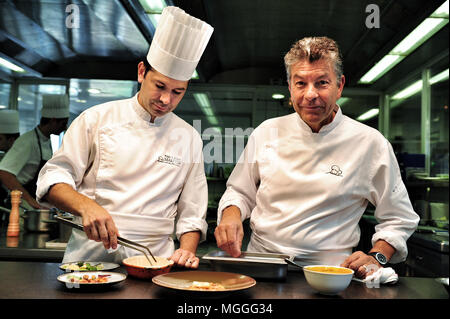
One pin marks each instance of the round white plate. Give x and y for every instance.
(113, 278)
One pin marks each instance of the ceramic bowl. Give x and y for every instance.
(328, 280)
(138, 266)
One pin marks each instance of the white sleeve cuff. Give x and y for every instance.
(192, 224)
(393, 239)
(233, 202)
(49, 179)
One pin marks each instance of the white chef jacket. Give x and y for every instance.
(24, 157)
(305, 192)
(148, 176)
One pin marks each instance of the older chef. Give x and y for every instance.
(20, 166)
(9, 132)
(133, 168)
(305, 179)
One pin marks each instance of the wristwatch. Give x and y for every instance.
(379, 257)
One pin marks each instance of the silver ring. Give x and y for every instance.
(365, 267)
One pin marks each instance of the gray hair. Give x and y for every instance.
(313, 49)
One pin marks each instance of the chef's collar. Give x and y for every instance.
(143, 114)
(324, 129)
(41, 135)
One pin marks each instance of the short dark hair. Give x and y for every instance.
(147, 65)
(44, 120)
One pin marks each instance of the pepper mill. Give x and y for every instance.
(13, 226)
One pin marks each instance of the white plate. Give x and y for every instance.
(113, 278)
(106, 265)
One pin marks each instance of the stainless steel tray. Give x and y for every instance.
(257, 265)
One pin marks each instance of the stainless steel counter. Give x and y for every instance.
(30, 246)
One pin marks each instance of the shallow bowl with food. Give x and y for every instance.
(139, 266)
(328, 280)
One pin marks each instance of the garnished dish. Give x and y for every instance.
(88, 279)
(88, 266)
(80, 266)
(83, 279)
(204, 281)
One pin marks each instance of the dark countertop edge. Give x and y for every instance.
(38, 254)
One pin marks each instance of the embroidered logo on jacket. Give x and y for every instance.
(335, 170)
(172, 160)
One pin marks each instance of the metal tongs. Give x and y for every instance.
(122, 241)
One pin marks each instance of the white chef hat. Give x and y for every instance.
(178, 44)
(55, 106)
(9, 122)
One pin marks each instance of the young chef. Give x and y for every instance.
(9, 132)
(20, 166)
(305, 179)
(133, 168)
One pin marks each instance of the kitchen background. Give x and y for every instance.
(395, 62)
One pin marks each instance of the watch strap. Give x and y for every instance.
(375, 254)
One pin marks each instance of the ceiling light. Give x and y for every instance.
(2, 106)
(408, 91)
(368, 115)
(425, 30)
(154, 18)
(153, 6)
(153, 9)
(384, 65)
(442, 11)
(205, 105)
(212, 120)
(11, 66)
(439, 77)
(94, 91)
(202, 100)
(419, 35)
(342, 101)
(417, 86)
(277, 96)
(195, 75)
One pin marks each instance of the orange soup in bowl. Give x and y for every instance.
(331, 270)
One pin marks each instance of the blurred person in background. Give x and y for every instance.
(9, 132)
(20, 166)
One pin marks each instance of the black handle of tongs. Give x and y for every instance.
(120, 240)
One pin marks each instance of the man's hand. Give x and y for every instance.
(97, 222)
(99, 226)
(361, 264)
(185, 258)
(185, 255)
(230, 232)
